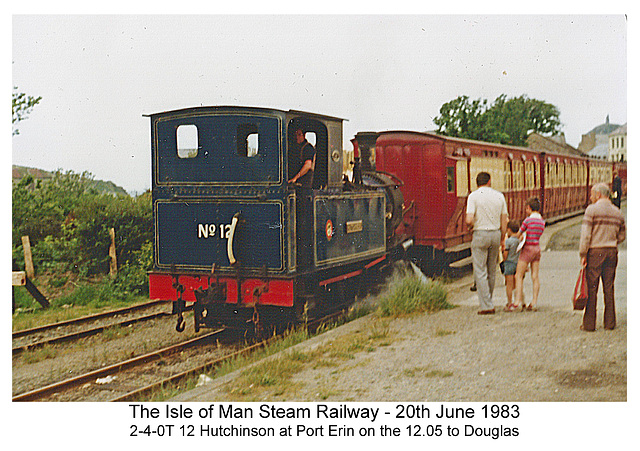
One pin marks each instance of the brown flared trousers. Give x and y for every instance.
(601, 264)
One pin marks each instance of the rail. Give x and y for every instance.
(67, 384)
(83, 319)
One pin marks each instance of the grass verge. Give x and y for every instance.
(274, 379)
(411, 294)
(85, 299)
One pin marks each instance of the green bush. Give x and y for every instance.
(88, 233)
(132, 277)
(68, 222)
(411, 294)
(39, 208)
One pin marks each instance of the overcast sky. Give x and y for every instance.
(98, 75)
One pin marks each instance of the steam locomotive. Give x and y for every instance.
(240, 245)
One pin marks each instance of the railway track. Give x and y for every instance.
(175, 379)
(72, 383)
(129, 379)
(65, 331)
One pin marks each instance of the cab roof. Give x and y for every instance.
(235, 108)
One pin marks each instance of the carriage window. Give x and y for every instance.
(462, 178)
(248, 140)
(187, 141)
(518, 182)
(505, 173)
(572, 173)
(528, 174)
(451, 179)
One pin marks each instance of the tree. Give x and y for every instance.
(461, 118)
(21, 106)
(506, 121)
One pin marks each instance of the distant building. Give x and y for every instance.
(17, 172)
(601, 149)
(618, 144)
(555, 144)
(596, 143)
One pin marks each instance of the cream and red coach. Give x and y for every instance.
(439, 172)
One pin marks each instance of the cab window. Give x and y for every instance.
(187, 141)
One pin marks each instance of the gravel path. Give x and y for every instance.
(457, 355)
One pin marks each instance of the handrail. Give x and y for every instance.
(232, 231)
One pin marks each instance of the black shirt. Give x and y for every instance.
(617, 191)
(307, 152)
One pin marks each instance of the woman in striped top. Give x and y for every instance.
(530, 253)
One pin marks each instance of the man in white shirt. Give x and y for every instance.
(487, 216)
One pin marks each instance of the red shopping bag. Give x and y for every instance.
(581, 293)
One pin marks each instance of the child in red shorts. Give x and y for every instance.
(533, 225)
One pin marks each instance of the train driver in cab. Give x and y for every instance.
(306, 161)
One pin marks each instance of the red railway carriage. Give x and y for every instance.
(439, 172)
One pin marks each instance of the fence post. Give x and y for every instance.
(31, 288)
(113, 262)
(28, 258)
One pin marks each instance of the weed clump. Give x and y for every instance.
(412, 294)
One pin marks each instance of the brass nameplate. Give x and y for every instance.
(354, 226)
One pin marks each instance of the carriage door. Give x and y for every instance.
(455, 196)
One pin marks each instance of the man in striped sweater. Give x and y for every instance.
(603, 228)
